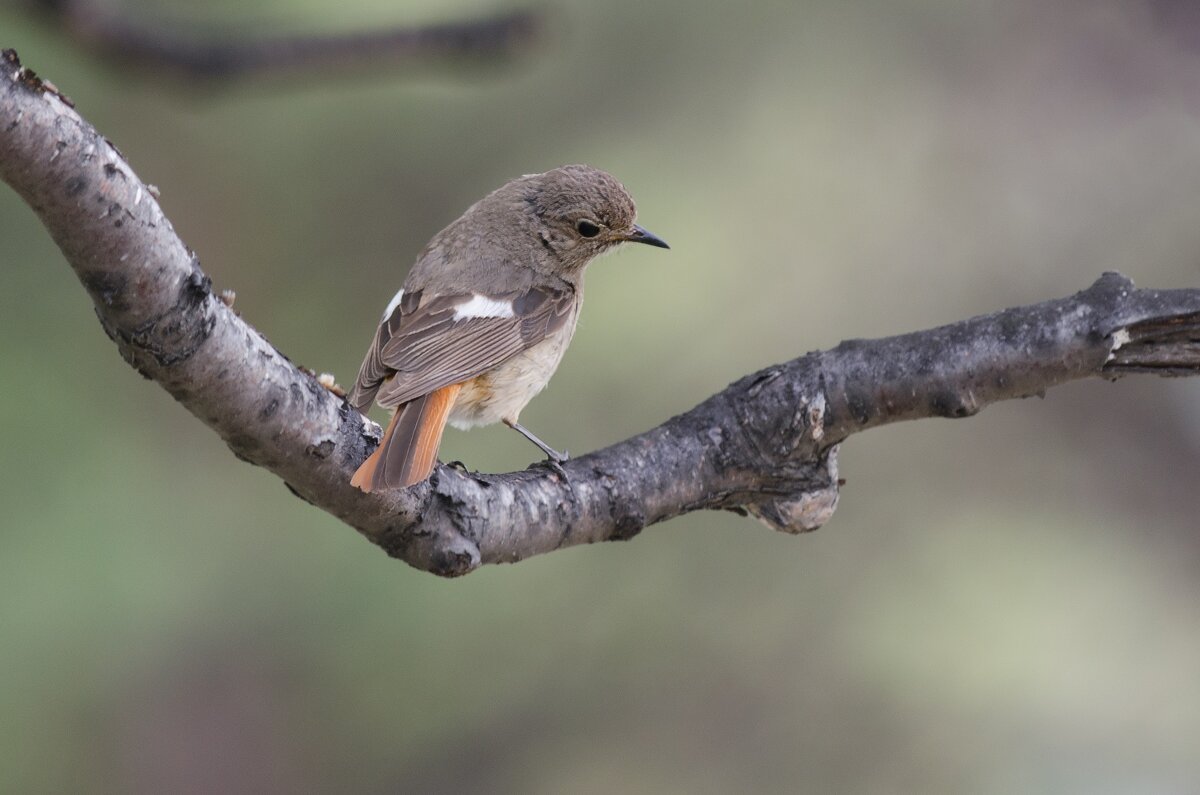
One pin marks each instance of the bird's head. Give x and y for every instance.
(579, 212)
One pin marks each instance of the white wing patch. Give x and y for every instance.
(391, 307)
(482, 306)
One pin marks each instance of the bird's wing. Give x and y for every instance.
(429, 342)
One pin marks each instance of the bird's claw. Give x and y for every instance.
(555, 465)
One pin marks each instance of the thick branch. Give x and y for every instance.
(765, 445)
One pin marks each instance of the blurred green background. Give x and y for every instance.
(1005, 604)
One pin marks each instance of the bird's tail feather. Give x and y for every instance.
(410, 444)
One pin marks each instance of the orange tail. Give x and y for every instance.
(410, 444)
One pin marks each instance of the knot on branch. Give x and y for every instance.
(440, 550)
(169, 337)
(810, 506)
(798, 487)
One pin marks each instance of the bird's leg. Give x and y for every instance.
(551, 453)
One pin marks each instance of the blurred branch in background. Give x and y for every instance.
(767, 445)
(112, 34)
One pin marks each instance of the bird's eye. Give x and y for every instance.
(587, 228)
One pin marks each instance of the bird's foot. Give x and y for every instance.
(555, 464)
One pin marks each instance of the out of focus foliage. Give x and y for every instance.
(1005, 604)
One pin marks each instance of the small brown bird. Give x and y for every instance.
(485, 315)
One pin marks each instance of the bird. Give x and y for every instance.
(485, 314)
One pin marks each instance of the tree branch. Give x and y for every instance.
(112, 34)
(766, 445)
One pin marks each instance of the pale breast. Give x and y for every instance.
(502, 392)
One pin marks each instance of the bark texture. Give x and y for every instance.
(767, 445)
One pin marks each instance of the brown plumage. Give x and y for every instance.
(486, 313)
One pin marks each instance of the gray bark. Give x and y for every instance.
(767, 445)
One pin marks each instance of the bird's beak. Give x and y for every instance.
(639, 235)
